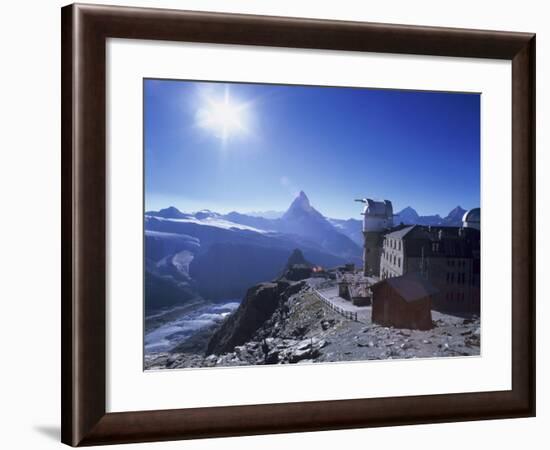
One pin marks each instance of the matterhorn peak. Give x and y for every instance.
(302, 197)
(301, 202)
(299, 206)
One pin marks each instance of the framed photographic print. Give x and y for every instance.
(277, 225)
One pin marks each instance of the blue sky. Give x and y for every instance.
(253, 147)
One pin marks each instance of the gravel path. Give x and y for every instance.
(331, 296)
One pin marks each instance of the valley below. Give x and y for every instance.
(183, 327)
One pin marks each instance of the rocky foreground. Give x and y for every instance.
(284, 322)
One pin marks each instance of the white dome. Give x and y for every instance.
(474, 215)
(472, 218)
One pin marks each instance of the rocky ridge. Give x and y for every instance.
(296, 327)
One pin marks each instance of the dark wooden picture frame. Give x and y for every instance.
(85, 30)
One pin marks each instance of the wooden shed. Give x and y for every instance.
(403, 302)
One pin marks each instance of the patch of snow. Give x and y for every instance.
(214, 222)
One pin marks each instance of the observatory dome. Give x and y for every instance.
(472, 218)
(378, 215)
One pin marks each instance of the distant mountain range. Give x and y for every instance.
(408, 216)
(207, 255)
(352, 228)
(215, 256)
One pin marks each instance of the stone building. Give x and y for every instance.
(377, 220)
(448, 257)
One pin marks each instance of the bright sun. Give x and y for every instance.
(224, 117)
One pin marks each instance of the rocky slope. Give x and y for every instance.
(258, 306)
(294, 326)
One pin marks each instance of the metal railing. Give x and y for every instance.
(351, 315)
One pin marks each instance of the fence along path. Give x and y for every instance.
(343, 307)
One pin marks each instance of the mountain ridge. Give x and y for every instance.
(173, 212)
(409, 216)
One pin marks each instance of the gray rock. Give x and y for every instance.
(326, 324)
(272, 357)
(259, 304)
(307, 353)
(173, 360)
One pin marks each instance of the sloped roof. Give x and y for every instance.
(411, 286)
(400, 233)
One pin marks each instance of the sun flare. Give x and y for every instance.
(224, 117)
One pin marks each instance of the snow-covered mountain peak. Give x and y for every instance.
(205, 214)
